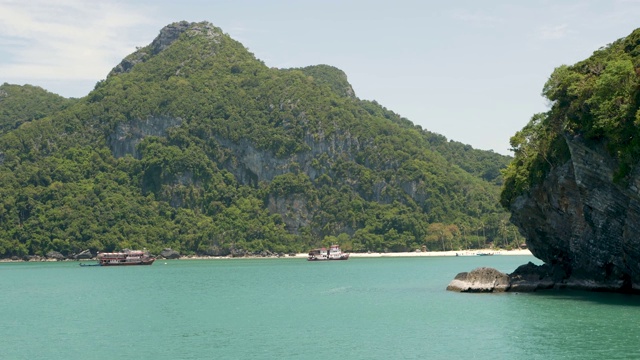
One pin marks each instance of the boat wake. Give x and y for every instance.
(338, 290)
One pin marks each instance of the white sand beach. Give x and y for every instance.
(442, 253)
(376, 255)
(435, 253)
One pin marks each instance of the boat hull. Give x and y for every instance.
(149, 262)
(121, 264)
(316, 259)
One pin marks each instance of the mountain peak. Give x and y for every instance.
(172, 32)
(167, 36)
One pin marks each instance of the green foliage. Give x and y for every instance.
(335, 78)
(19, 104)
(597, 100)
(262, 159)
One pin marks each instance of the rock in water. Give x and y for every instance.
(482, 279)
(530, 277)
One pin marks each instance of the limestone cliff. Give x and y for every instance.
(573, 186)
(251, 165)
(580, 221)
(128, 135)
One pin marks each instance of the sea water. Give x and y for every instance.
(363, 308)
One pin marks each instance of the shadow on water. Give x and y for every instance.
(603, 298)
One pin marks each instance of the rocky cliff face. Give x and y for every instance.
(583, 224)
(127, 135)
(251, 165)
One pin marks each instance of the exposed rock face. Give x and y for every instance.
(127, 135)
(251, 165)
(482, 279)
(170, 254)
(168, 35)
(531, 277)
(583, 224)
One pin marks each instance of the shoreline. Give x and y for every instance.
(446, 253)
(352, 255)
(379, 255)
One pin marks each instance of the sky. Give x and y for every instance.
(470, 70)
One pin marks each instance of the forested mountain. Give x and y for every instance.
(194, 144)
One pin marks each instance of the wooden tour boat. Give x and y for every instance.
(125, 257)
(333, 253)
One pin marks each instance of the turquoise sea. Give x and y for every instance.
(364, 308)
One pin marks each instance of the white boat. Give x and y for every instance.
(333, 253)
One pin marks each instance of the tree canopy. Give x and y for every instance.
(596, 99)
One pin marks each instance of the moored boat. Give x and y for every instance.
(333, 253)
(125, 257)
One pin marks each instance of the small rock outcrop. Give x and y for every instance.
(169, 253)
(55, 255)
(482, 279)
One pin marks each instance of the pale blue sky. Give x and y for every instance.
(469, 70)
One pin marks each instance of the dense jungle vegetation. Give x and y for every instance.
(597, 100)
(202, 111)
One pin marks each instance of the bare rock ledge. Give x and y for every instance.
(529, 278)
